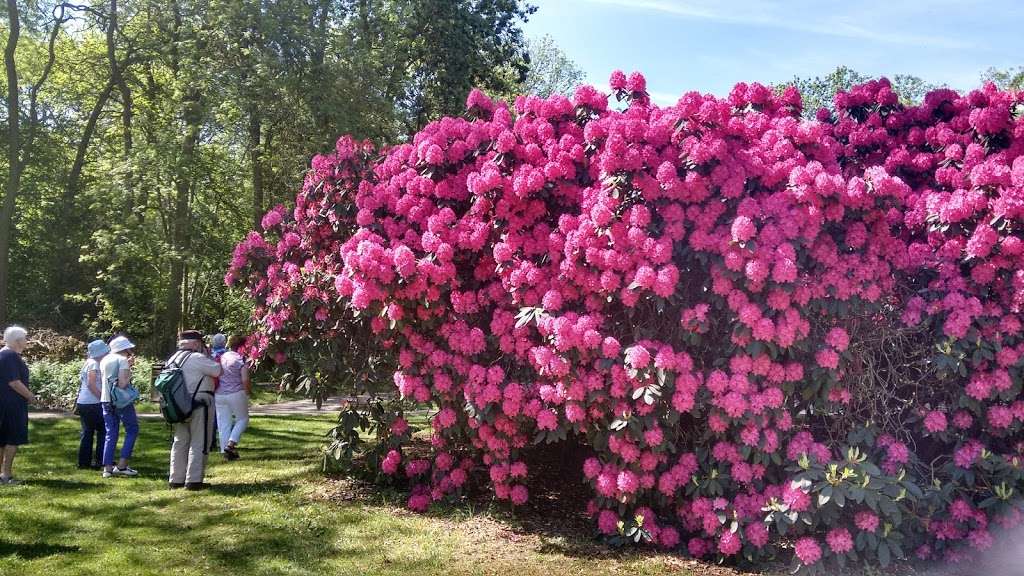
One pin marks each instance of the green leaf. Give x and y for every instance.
(824, 496)
(884, 557)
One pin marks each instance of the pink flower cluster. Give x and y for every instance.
(676, 288)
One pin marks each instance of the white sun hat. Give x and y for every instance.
(120, 344)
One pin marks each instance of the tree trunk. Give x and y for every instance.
(66, 211)
(117, 79)
(78, 164)
(256, 158)
(33, 92)
(13, 155)
(182, 217)
(319, 52)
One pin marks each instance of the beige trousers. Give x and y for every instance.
(188, 453)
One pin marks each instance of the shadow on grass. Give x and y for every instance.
(61, 484)
(33, 550)
(250, 488)
(248, 520)
(554, 514)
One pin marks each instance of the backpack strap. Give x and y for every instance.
(111, 383)
(178, 359)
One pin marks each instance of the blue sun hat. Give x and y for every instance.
(98, 348)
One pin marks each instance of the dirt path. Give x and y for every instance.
(305, 407)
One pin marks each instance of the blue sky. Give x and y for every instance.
(682, 45)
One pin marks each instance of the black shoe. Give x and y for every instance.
(231, 454)
(196, 486)
(175, 485)
(84, 467)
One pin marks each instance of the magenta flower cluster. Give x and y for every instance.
(685, 291)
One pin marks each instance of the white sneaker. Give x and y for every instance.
(107, 474)
(127, 471)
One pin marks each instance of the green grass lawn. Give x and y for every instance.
(264, 514)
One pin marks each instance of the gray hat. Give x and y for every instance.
(120, 344)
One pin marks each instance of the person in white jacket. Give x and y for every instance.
(191, 445)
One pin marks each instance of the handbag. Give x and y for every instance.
(123, 397)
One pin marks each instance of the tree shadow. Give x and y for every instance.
(33, 550)
(61, 484)
(250, 488)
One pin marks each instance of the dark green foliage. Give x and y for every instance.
(162, 130)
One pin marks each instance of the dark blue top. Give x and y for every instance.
(12, 368)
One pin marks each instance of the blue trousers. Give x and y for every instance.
(112, 418)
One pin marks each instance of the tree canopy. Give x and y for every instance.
(149, 135)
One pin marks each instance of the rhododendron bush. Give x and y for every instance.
(771, 336)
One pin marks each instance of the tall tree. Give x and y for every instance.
(159, 131)
(13, 152)
(457, 45)
(819, 92)
(551, 70)
(1005, 78)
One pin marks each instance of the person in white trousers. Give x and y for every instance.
(232, 398)
(192, 438)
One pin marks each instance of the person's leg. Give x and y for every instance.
(240, 412)
(179, 453)
(7, 466)
(223, 404)
(88, 432)
(113, 428)
(101, 433)
(200, 428)
(131, 432)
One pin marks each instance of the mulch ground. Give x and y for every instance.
(554, 521)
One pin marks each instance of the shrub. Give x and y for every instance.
(771, 333)
(57, 383)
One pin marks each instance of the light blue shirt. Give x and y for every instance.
(111, 366)
(85, 395)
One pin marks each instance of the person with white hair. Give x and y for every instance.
(14, 400)
(191, 446)
(116, 369)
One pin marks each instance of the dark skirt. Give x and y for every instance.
(13, 423)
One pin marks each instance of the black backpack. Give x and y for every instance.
(176, 402)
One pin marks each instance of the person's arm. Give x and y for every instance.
(23, 390)
(210, 368)
(124, 376)
(93, 383)
(245, 379)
